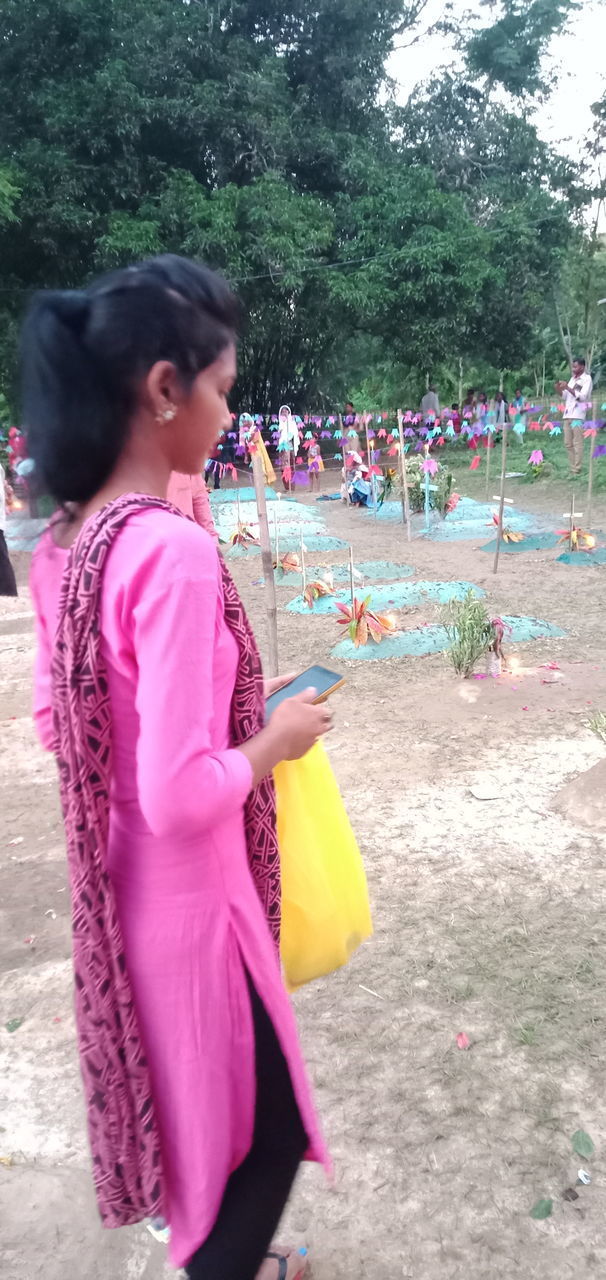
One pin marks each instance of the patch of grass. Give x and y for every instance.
(597, 724)
(527, 1033)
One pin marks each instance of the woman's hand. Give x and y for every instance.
(298, 723)
(293, 729)
(277, 682)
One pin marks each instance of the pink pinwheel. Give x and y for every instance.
(429, 466)
(535, 458)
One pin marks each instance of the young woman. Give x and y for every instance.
(198, 1104)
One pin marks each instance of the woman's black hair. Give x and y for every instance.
(84, 352)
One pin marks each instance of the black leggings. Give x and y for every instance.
(257, 1191)
(8, 586)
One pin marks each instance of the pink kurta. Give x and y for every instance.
(191, 919)
(190, 495)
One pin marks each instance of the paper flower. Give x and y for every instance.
(450, 431)
(363, 624)
(338, 434)
(429, 466)
(409, 433)
(338, 457)
(599, 451)
(555, 431)
(578, 540)
(535, 458)
(382, 433)
(243, 537)
(507, 534)
(452, 502)
(325, 435)
(590, 431)
(519, 428)
(315, 590)
(475, 462)
(288, 563)
(309, 435)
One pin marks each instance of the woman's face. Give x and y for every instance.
(203, 414)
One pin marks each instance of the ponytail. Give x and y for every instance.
(83, 354)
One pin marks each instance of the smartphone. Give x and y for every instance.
(321, 679)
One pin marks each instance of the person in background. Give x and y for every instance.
(500, 410)
(8, 582)
(190, 495)
(481, 411)
(455, 417)
(169, 806)
(315, 465)
(468, 406)
(430, 404)
(577, 394)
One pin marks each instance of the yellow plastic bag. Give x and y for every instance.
(325, 909)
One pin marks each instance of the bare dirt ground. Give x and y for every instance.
(489, 920)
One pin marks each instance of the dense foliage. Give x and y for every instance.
(370, 244)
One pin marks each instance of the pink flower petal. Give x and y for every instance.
(463, 1041)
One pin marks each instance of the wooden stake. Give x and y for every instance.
(277, 535)
(404, 478)
(303, 572)
(488, 450)
(371, 477)
(238, 508)
(351, 578)
(426, 492)
(268, 567)
(501, 498)
(592, 441)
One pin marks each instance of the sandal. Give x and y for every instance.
(282, 1262)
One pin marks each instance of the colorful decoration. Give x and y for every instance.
(243, 537)
(315, 590)
(362, 623)
(578, 539)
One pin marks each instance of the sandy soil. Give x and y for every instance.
(489, 920)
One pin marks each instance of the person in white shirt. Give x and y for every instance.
(8, 585)
(577, 400)
(430, 404)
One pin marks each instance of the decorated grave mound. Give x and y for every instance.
(395, 595)
(419, 642)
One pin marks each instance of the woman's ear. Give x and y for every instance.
(163, 391)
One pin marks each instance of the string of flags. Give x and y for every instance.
(420, 431)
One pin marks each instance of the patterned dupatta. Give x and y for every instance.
(127, 1162)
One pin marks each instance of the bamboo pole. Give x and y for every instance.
(371, 476)
(488, 449)
(592, 440)
(303, 570)
(277, 534)
(404, 478)
(351, 579)
(268, 568)
(501, 497)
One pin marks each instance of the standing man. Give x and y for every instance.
(430, 404)
(577, 400)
